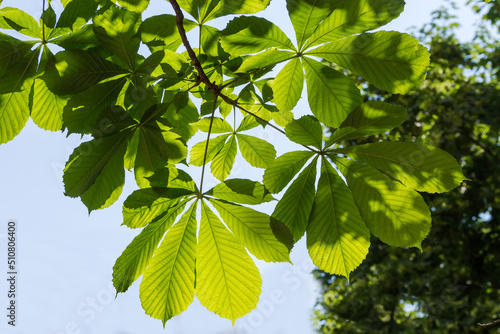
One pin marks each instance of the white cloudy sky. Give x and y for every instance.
(66, 257)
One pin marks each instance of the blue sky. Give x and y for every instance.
(66, 257)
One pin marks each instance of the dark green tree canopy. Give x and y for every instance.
(454, 284)
(142, 109)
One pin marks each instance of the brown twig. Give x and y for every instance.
(496, 322)
(196, 62)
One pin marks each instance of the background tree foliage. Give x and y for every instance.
(454, 284)
(138, 112)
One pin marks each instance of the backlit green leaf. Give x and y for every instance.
(15, 86)
(394, 213)
(250, 34)
(306, 15)
(168, 286)
(73, 71)
(370, 118)
(332, 96)
(266, 59)
(241, 191)
(354, 17)
(115, 29)
(135, 258)
(306, 131)
(218, 125)
(160, 31)
(16, 19)
(284, 168)
(227, 281)
(135, 5)
(254, 230)
(420, 167)
(258, 152)
(197, 153)
(288, 85)
(86, 109)
(143, 205)
(295, 206)
(222, 163)
(390, 60)
(95, 169)
(337, 237)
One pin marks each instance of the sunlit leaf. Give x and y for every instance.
(168, 286)
(394, 213)
(306, 131)
(337, 237)
(227, 281)
(250, 34)
(258, 152)
(295, 206)
(254, 230)
(370, 118)
(332, 96)
(390, 60)
(284, 168)
(420, 167)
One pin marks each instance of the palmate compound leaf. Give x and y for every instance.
(254, 230)
(417, 166)
(332, 96)
(95, 169)
(394, 213)
(134, 259)
(250, 34)
(390, 60)
(263, 60)
(337, 237)
(370, 118)
(296, 204)
(354, 17)
(168, 285)
(227, 281)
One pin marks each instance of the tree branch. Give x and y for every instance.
(203, 76)
(196, 62)
(490, 324)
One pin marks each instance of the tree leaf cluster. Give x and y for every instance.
(453, 286)
(138, 109)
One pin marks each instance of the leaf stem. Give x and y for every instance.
(43, 23)
(206, 146)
